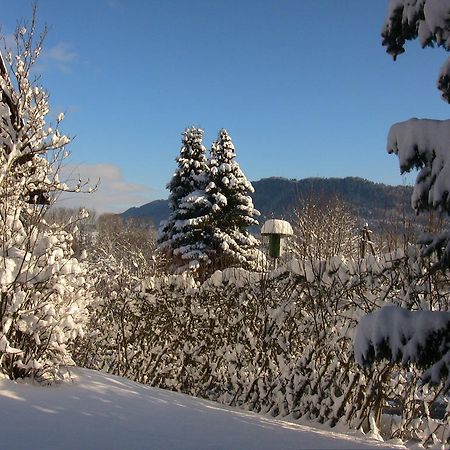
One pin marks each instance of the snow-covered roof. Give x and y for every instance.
(277, 226)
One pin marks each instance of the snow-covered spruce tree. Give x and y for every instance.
(43, 288)
(423, 144)
(232, 207)
(185, 238)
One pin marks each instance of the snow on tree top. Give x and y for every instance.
(277, 226)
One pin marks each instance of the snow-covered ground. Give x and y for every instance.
(100, 411)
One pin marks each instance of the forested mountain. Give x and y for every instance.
(277, 197)
(155, 211)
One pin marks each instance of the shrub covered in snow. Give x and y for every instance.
(278, 342)
(44, 290)
(122, 255)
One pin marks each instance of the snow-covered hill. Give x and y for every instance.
(99, 411)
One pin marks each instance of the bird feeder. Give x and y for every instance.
(276, 229)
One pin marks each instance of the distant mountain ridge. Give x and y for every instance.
(156, 211)
(277, 197)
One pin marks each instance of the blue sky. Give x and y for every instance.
(304, 87)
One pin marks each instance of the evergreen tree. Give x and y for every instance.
(423, 144)
(232, 207)
(185, 237)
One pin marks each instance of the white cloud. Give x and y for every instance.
(116, 5)
(114, 194)
(61, 55)
(61, 52)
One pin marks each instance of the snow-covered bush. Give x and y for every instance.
(278, 342)
(120, 257)
(44, 290)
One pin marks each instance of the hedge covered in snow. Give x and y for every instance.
(278, 342)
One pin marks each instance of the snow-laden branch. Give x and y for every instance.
(400, 335)
(406, 20)
(427, 20)
(424, 144)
